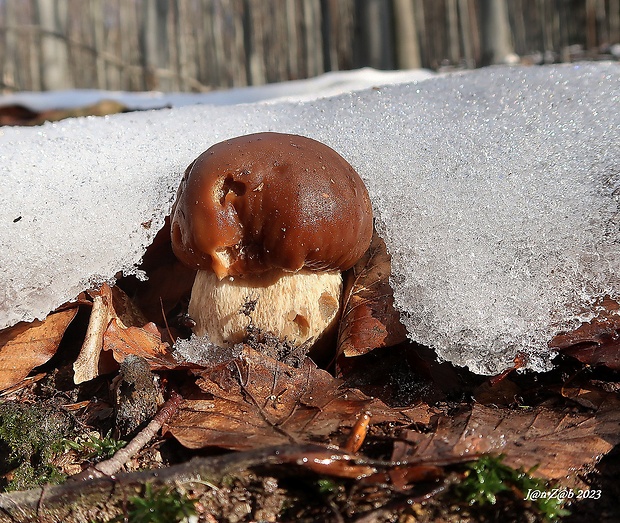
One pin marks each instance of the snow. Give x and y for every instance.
(328, 84)
(199, 350)
(495, 190)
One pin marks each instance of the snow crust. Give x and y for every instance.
(495, 190)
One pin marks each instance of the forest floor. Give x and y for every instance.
(377, 431)
(412, 467)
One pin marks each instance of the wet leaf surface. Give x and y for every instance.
(596, 342)
(28, 345)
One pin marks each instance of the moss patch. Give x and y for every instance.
(30, 437)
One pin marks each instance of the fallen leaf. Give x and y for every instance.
(255, 401)
(403, 477)
(369, 320)
(22, 384)
(117, 325)
(86, 366)
(124, 308)
(596, 342)
(28, 345)
(358, 433)
(334, 464)
(16, 115)
(144, 342)
(491, 392)
(558, 441)
(590, 397)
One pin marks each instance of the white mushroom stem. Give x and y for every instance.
(297, 306)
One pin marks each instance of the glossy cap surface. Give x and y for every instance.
(270, 201)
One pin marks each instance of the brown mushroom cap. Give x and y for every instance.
(270, 200)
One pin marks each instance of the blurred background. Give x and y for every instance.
(202, 45)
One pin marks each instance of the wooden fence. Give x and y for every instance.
(198, 45)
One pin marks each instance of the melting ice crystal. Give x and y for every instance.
(496, 192)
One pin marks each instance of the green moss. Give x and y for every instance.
(327, 486)
(30, 437)
(94, 447)
(163, 505)
(487, 478)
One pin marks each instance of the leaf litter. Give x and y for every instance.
(253, 398)
(255, 401)
(596, 342)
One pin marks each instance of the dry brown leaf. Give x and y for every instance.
(139, 341)
(255, 401)
(596, 342)
(369, 320)
(589, 397)
(504, 392)
(16, 114)
(28, 345)
(560, 442)
(86, 366)
(329, 463)
(123, 308)
(117, 325)
(403, 477)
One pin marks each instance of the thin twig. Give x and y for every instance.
(111, 466)
(163, 315)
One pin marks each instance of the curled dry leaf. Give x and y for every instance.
(369, 320)
(403, 477)
(596, 342)
(558, 441)
(117, 325)
(334, 464)
(129, 334)
(341, 464)
(255, 401)
(590, 397)
(28, 345)
(144, 342)
(358, 433)
(86, 366)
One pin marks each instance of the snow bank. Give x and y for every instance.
(495, 190)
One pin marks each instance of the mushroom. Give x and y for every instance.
(269, 221)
